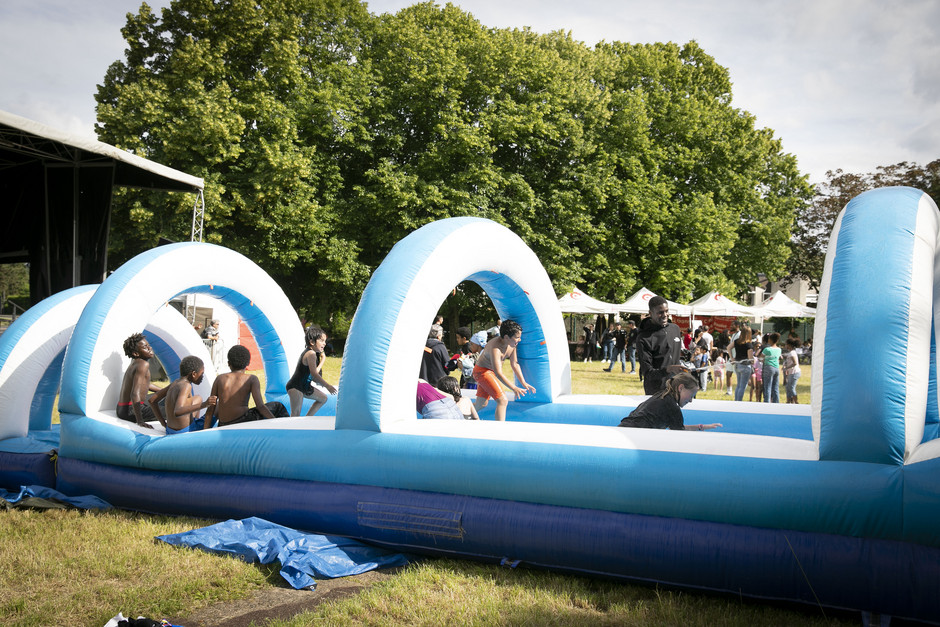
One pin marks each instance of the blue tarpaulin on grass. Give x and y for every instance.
(35, 495)
(303, 556)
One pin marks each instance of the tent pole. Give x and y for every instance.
(46, 254)
(76, 269)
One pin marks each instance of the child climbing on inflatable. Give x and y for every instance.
(449, 385)
(663, 410)
(134, 405)
(182, 406)
(233, 389)
(306, 380)
(488, 371)
(434, 404)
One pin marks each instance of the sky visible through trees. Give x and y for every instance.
(325, 134)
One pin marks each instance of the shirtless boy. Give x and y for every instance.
(182, 406)
(232, 391)
(133, 402)
(488, 371)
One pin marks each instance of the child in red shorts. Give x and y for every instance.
(488, 371)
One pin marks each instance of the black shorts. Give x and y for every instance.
(276, 408)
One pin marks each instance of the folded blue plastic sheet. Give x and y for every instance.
(27, 493)
(303, 556)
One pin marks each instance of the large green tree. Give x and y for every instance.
(701, 198)
(326, 134)
(815, 220)
(14, 281)
(257, 98)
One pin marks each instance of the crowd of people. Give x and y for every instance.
(673, 366)
(480, 360)
(759, 363)
(179, 409)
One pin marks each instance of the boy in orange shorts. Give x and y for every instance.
(488, 371)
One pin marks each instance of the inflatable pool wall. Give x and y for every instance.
(32, 351)
(843, 517)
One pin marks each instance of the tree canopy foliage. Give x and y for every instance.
(815, 220)
(326, 134)
(14, 280)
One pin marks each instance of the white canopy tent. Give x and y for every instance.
(714, 304)
(577, 301)
(639, 303)
(779, 305)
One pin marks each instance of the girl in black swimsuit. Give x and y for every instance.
(301, 384)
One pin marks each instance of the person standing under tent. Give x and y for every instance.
(607, 343)
(708, 338)
(590, 339)
(742, 354)
(619, 349)
(632, 333)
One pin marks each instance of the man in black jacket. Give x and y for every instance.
(435, 363)
(632, 333)
(619, 349)
(658, 347)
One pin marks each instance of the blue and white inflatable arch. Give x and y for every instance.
(31, 352)
(33, 349)
(383, 354)
(94, 360)
(874, 351)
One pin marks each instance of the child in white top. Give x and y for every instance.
(718, 367)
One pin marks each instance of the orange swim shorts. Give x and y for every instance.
(487, 384)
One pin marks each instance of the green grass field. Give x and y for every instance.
(82, 568)
(590, 378)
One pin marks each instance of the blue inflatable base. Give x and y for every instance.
(883, 576)
(19, 469)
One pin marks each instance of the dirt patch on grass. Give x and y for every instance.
(279, 603)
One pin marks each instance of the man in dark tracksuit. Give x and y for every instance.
(658, 347)
(435, 363)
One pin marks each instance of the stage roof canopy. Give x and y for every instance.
(55, 194)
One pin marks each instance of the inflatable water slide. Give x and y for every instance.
(836, 506)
